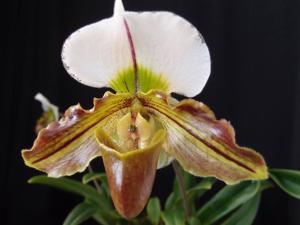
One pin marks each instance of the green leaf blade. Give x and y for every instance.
(194, 221)
(87, 178)
(80, 213)
(246, 214)
(287, 180)
(171, 201)
(204, 185)
(167, 217)
(173, 217)
(226, 200)
(188, 179)
(154, 210)
(72, 186)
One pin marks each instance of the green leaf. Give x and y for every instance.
(188, 179)
(226, 200)
(174, 199)
(179, 218)
(80, 213)
(265, 184)
(107, 217)
(171, 201)
(100, 219)
(246, 214)
(72, 186)
(167, 217)
(204, 185)
(194, 221)
(287, 180)
(87, 178)
(173, 217)
(105, 189)
(153, 210)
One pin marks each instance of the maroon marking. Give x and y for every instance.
(73, 138)
(133, 55)
(212, 147)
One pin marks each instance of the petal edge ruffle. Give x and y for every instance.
(67, 146)
(203, 145)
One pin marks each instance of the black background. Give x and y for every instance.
(254, 83)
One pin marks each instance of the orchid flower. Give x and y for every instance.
(143, 57)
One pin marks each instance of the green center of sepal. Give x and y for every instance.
(125, 81)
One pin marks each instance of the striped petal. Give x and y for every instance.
(133, 52)
(203, 145)
(67, 146)
(130, 174)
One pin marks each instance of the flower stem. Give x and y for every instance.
(182, 189)
(95, 182)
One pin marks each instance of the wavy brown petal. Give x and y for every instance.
(67, 146)
(203, 145)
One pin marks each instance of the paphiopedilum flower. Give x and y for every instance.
(144, 57)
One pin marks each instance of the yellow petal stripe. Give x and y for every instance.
(67, 146)
(203, 145)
